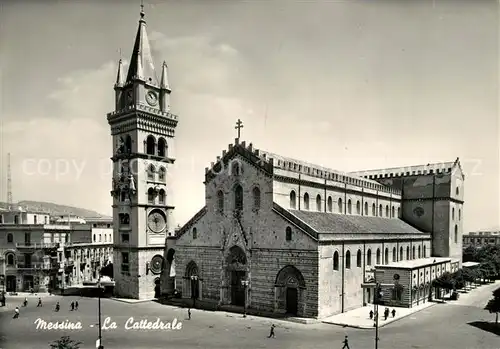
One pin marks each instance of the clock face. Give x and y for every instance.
(151, 98)
(157, 222)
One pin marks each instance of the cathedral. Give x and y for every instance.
(275, 234)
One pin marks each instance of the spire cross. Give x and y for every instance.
(142, 8)
(239, 126)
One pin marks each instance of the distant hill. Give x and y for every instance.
(54, 209)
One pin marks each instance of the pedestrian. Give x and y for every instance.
(72, 306)
(76, 305)
(16, 313)
(189, 313)
(2, 299)
(386, 313)
(39, 302)
(57, 307)
(393, 312)
(25, 303)
(371, 314)
(346, 343)
(271, 333)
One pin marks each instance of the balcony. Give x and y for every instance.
(37, 245)
(30, 266)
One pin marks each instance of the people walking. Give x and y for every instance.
(189, 313)
(39, 302)
(16, 313)
(25, 303)
(57, 307)
(76, 305)
(271, 333)
(371, 314)
(393, 312)
(346, 343)
(386, 313)
(72, 306)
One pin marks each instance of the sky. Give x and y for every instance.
(349, 85)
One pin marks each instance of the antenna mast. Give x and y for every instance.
(9, 183)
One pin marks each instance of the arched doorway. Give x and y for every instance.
(11, 283)
(191, 286)
(289, 290)
(236, 262)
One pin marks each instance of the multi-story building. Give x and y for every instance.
(481, 238)
(38, 251)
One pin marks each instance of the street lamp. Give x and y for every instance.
(377, 297)
(245, 283)
(100, 346)
(194, 281)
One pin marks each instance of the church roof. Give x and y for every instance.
(332, 223)
(141, 63)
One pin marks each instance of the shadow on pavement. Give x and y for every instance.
(487, 326)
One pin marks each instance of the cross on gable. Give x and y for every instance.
(239, 126)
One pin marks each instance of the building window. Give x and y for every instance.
(393, 211)
(456, 233)
(125, 262)
(419, 252)
(378, 255)
(401, 253)
(150, 145)
(358, 259)
(457, 191)
(387, 210)
(399, 212)
(151, 172)
(369, 257)
(459, 214)
(238, 198)
(161, 174)
(10, 259)
(413, 253)
(151, 196)
(394, 255)
(386, 256)
(124, 219)
(425, 251)
(380, 210)
(161, 196)
(288, 233)
(306, 201)
(358, 207)
(256, 198)
(10, 238)
(100, 238)
(318, 203)
(125, 238)
(349, 206)
(293, 200)
(335, 260)
(407, 253)
(453, 213)
(195, 233)
(35, 220)
(366, 209)
(348, 260)
(220, 201)
(123, 196)
(16, 219)
(94, 238)
(339, 203)
(374, 210)
(162, 147)
(66, 238)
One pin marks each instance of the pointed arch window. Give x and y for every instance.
(161, 196)
(348, 260)
(374, 210)
(195, 233)
(330, 204)
(369, 257)
(387, 210)
(339, 205)
(380, 210)
(455, 237)
(459, 214)
(335, 260)
(407, 253)
(162, 174)
(378, 255)
(392, 212)
(256, 198)
(318, 203)
(220, 201)
(238, 198)
(419, 252)
(358, 259)
(128, 144)
(394, 254)
(349, 206)
(401, 253)
(151, 196)
(413, 255)
(386, 256)
(235, 168)
(162, 147)
(358, 207)
(366, 209)
(288, 234)
(150, 145)
(151, 172)
(306, 201)
(293, 200)
(425, 251)
(453, 213)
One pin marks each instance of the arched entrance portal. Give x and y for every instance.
(191, 286)
(289, 291)
(237, 269)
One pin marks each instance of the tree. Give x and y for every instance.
(445, 281)
(493, 305)
(65, 342)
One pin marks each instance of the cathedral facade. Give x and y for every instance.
(285, 236)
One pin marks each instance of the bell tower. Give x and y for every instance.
(143, 130)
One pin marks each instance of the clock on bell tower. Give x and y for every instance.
(143, 131)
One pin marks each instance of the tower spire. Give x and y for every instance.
(119, 75)
(141, 64)
(164, 77)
